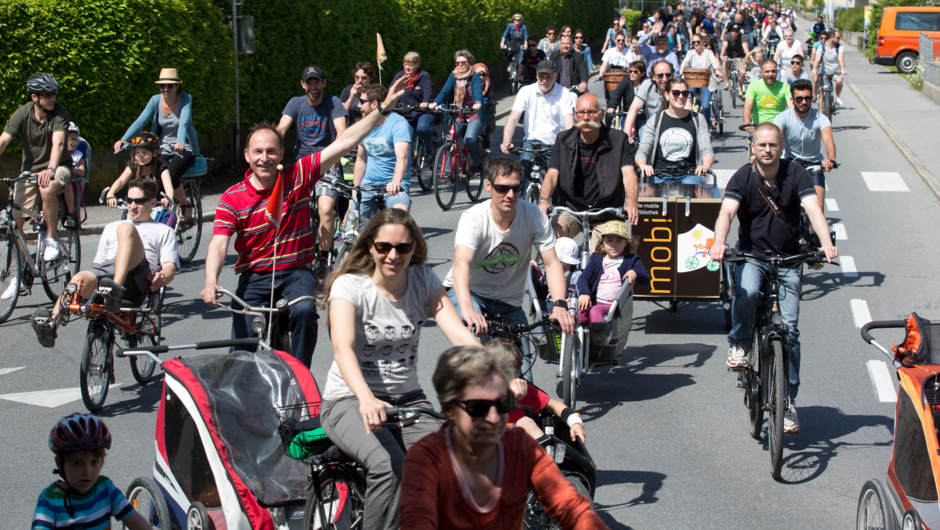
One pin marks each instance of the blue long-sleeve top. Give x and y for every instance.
(588, 60)
(591, 276)
(511, 29)
(187, 133)
(476, 92)
(651, 55)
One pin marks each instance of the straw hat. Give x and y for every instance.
(168, 76)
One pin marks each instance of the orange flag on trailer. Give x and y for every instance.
(380, 53)
(275, 206)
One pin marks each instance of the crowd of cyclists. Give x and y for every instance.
(383, 291)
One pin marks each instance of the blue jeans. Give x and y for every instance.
(527, 158)
(422, 126)
(370, 201)
(471, 139)
(684, 179)
(748, 277)
(255, 289)
(706, 103)
(497, 307)
(640, 129)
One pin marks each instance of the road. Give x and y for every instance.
(666, 427)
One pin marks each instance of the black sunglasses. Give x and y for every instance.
(479, 408)
(140, 201)
(45, 94)
(678, 93)
(795, 62)
(503, 189)
(579, 37)
(663, 76)
(801, 99)
(384, 248)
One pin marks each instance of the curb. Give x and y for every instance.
(922, 171)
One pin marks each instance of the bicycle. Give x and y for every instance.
(354, 221)
(340, 206)
(54, 275)
(539, 168)
(717, 112)
(271, 324)
(511, 331)
(512, 69)
(336, 498)
(420, 170)
(189, 233)
(765, 376)
(807, 238)
(450, 163)
(827, 101)
(733, 81)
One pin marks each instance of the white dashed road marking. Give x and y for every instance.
(5, 371)
(889, 181)
(860, 312)
(832, 205)
(848, 267)
(48, 398)
(841, 234)
(882, 381)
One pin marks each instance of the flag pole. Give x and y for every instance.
(277, 227)
(380, 55)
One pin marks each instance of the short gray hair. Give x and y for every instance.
(463, 366)
(466, 55)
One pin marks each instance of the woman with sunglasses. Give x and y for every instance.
(703, 58)
(378, 300)
(464, 88)
(612, 33)
(474, 472)
(622, 96)
(580, 45)
(786, 50)
(363, 74)
(676, 140)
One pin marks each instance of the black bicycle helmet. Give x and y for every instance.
(145, 139)
(42, 82)
(79, 432)
(660, 37)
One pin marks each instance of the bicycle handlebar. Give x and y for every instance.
(743, 127)
(26, 175)
(594, 212)
(503, 326)
(880, 324)
(740, 256)
(539, 150)
(405, 416)
(279, 307)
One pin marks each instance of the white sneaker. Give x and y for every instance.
(737, 357)
(11, 289)
(53, 249)
(791, 424)
(838, 103)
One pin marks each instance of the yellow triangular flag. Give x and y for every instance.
(380, 54)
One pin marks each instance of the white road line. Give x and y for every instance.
(882, 381)
(887, 181)
(48, 398)
(860, 313)
(832, 205)
(723, 176)
(848, 267)
(841, 234)
(5, 371)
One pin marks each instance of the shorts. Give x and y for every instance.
(323, 185)
(574, 227)
(370, 202)
(819, 180)
(26, 194)
(737, 64)
(137, 283)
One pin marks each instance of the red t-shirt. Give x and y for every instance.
(534, 398)
(241, 212)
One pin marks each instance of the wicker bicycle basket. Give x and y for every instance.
(697, 77)
(612, 79)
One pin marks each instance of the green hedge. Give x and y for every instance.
(852, 19)
(633, 21)
(107, 54)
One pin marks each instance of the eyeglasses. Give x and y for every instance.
(797, 63)
(590, 112)
(578, 37)
(634, 71)
(479, 408)
(680, 93)
(788, 36)
(823, 38)
(141, 201)
(517, 20)
(696, 42)
(361, 77)
(364, 101)
(458, 63)
(384, 248)
(621, 41)
(764, 147)
(663, 76)
(503, 189)
(46, 94)
(481, 74)
(801, 99)
(550, 33)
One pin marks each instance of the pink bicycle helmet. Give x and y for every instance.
(79, 432)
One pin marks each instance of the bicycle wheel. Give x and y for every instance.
(95, 370)
(56, 275)
(752, 388)
(734, 92)
(777, 406)
(189, 233)
(10, 267)
(569, 351)
(874, 510)
(148, 331)
(339, 503)
(719, 112)
(145, 498)
(726, 294)
(536, 517)
(446, 171)
(419, 168)
(474, 184)
(341, 253)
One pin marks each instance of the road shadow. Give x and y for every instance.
(135, 398)
(430, 233)
(185, 308)
(696, 318)
(635, 487)
(851, 128)
(818, 284)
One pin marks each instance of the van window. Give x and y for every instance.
(910, 21)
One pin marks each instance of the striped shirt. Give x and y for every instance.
(241, 212)
(92, 511)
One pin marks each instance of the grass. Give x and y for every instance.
(915, 79)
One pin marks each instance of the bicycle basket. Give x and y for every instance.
(300, 430)
(921, 342)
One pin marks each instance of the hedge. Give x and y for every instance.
(107, 54)
(852, 19)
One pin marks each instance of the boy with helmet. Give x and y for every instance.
(79, 153)
(82, 498)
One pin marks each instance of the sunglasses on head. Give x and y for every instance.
(479, 408)
(503, 189)
(141, 201)
(801, 99)
(384, 248)
(680, 93)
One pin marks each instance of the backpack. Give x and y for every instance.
(920, 343)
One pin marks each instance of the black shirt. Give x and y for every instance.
(676, 143)
(354, 113)
(759, 228)
(735, 46)
(586, 189)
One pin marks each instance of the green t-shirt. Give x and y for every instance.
(768, 100)
(37, 136)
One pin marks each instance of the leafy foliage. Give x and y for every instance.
(852, 19)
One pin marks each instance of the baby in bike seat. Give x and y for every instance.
(614, 262)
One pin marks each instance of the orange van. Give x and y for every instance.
(898, 35)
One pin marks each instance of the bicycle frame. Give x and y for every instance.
(123, 321)
(20, 242)
(457, 155)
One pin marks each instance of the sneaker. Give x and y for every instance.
(838, 103)
(44, 326)
(791, 424)
(53, 250)
(112, 294)
(11, 289)
(737, 357)
(322, 271)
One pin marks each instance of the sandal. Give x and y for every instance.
(71, 222)
(44, 326)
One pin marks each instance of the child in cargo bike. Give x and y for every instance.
(614, 261)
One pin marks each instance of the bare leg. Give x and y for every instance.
(724, 72)
(89, 284)
(50, 208)
(327, 218)
(838, 81)
(69, 196)
(130, 251)
(526, 424)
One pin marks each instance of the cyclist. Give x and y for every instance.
(612, 32)
(378, 299)
(622, 96)
(770, 96)
(771, 35)
(548, 44)
(363, 74)
(734, 47)
(464, 88)
(739, 20)
(762, 227)
(418, 90)
(242, 210)
(749, 24)
(703, 58)
(42, 124)
(319, 119)
(830, 59)
(786, 50)
(805, 132)
(820, 27)
(572, 70)
(384, 158)
(82, 497)
(513, 41)
(548, 110)
(617, 58)
(580, 45)
(491, 253)
(659, 51)
(795, 72)
(529, 61)
(135, 256)
(474, 472)
(649, 98)
(145, 163)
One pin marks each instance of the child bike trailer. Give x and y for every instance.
(219, 460)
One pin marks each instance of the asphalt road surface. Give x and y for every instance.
(666, 427)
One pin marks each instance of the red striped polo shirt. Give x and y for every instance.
(241, 212)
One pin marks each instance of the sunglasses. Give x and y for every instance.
(361, 77)
(141, 201)
(797, 63)
(578, 37)
(479, 408)
(634, 71)
(458, 63)
(384, 248)
(481, 74)
(680, 93)
(621, 41)
(696, 42)
(801, 99)
(364, 101)
(550, 33)
(663, 76)
(503, 189)
(46, 94)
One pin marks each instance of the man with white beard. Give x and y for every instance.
(592, 167)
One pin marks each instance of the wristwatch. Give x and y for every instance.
(560, 303)
(383, 111)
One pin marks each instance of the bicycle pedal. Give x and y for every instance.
(736, 369)
(104, 291)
